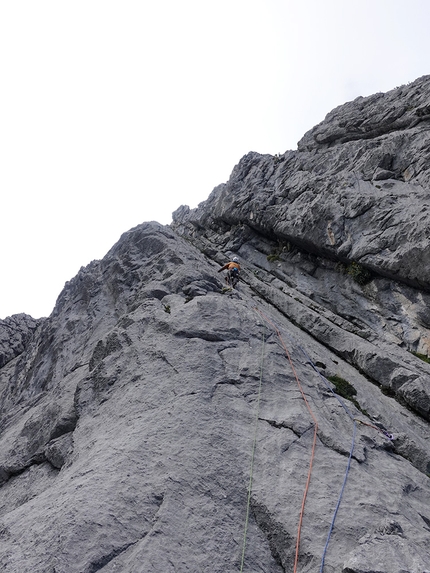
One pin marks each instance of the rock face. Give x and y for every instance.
(156, 424)
(15, 332)
(357, 190)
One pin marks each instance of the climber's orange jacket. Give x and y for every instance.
(230, 266)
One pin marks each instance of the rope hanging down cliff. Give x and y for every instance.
(254, 443)
(354, 422)
(308, 479)
(348, 465)
(315, 424)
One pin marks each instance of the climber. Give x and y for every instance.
(233, 270)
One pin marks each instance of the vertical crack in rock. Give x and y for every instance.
(280, 542)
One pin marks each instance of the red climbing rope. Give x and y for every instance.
(386, 434)
(305, 493)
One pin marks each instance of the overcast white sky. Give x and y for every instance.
(116, 112)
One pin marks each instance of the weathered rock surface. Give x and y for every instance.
(132, 419)
(15, 332)
(356, 191)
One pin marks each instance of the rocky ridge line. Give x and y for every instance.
(127, 417)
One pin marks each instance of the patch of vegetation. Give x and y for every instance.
(167, 308)
(346, 390)
(341, 268)
(343, 387)
(281, 248)
(358, 273)
(422, 357)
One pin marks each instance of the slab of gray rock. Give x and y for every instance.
(132, 419)
(141, 443)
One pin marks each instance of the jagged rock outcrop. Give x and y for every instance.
(356, 191)
(15, 332)
(135, 417)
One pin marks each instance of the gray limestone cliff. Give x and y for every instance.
(155, 423)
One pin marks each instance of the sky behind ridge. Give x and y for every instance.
(117, 112)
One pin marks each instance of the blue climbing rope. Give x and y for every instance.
(351, 451)
(339, 498)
